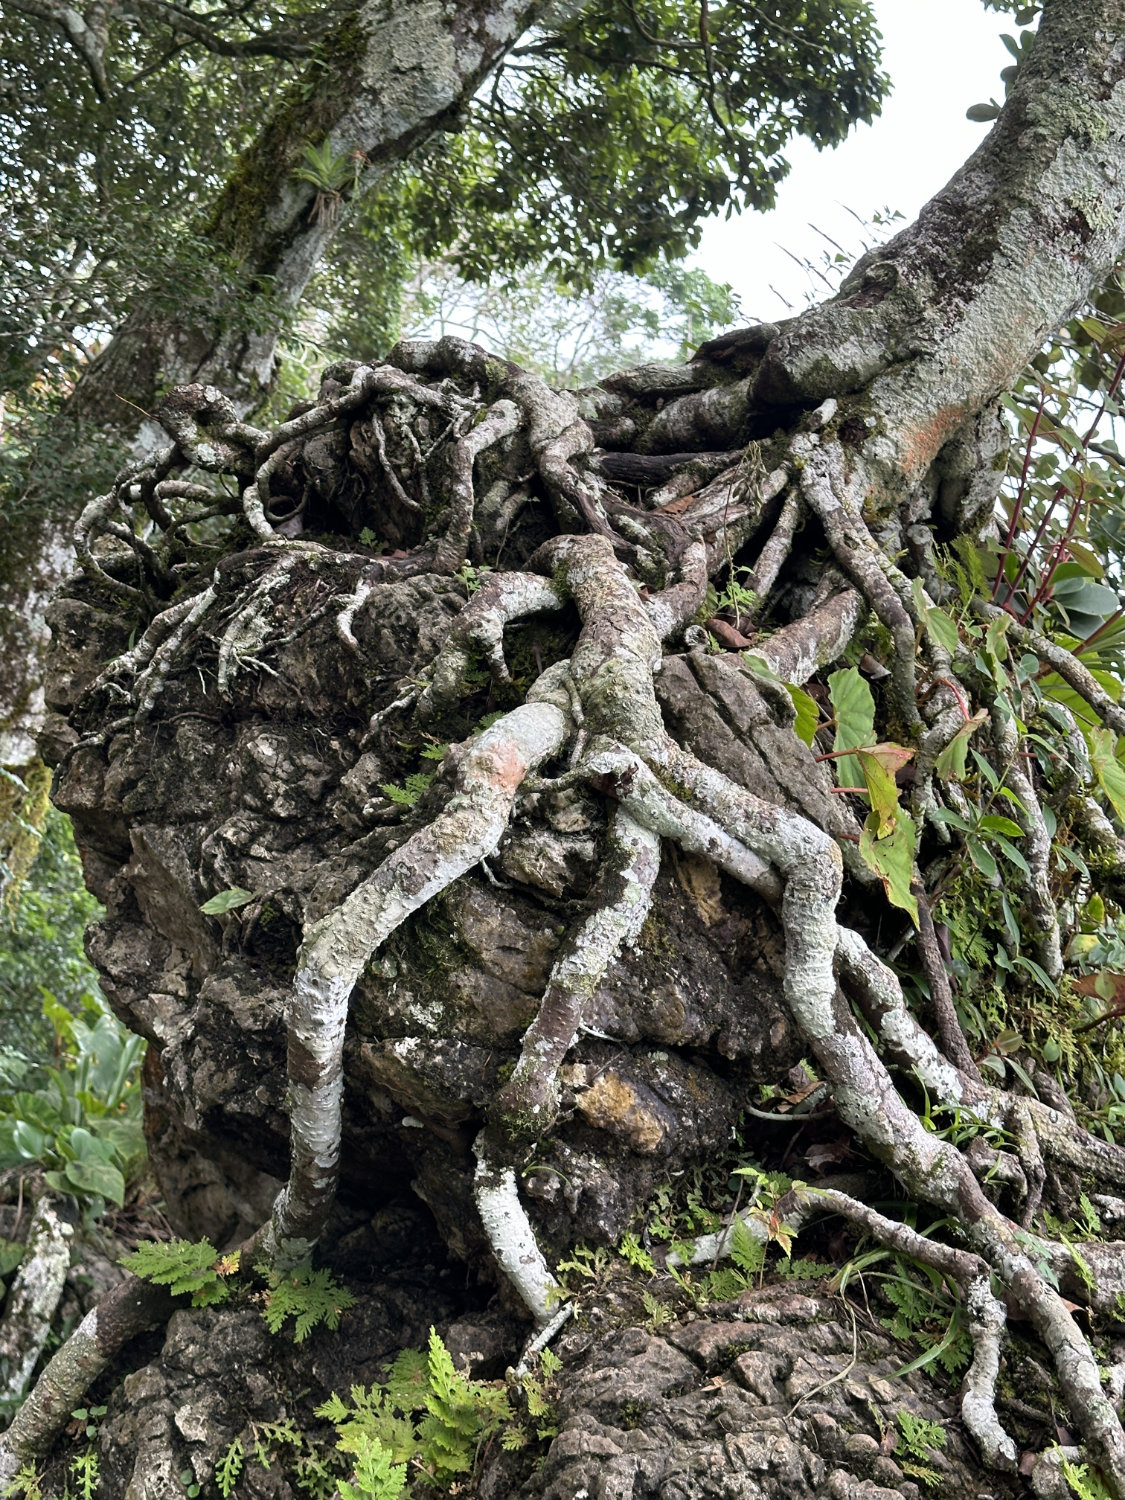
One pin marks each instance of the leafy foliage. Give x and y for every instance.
(889, 837)
(41, 953)
(186, 1268)
(79, 1118)
(526, 183)
(228, 900)
(229, 1467)
(310, 1297)
(411, 789)
(84, 1467)
(924, 1311)
(918, 1439)
(1084, 1480)
(426, 1414)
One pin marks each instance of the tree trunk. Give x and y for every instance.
(386, 79)
(530, 889)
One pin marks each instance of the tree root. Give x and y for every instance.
(527, 1104)
(598, 714)
(34, 1296)
(130, 1308)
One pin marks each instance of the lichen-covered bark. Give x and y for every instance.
(33, 1301)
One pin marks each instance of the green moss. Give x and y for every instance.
(631, 1414)
(655, 937)
(307, 111)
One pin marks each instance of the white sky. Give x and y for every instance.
(942, 56)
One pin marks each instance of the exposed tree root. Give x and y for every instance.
(636, 578)
(34, 1296)
(132, 1307)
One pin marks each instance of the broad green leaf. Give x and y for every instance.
(28, 1141)
(92, 1175)
(936, 621)
(1097, 331)
(854, 708)
(85, 1146)
(228, 900)
(808, 713)
(951, 763)
(942, 628)
(892, 858)
(1089, 561)
(1013, 854)
(1107, 768)
(879, 765)
(996, 824)
(11, 1253)
(981, 857)
(951, 819)
(1086, 596)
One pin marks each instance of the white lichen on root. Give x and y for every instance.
(637, 578)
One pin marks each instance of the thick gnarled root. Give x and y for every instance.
(132, 1307)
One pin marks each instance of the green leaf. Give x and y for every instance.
(808, 713)
(937, 622)
(951, 763)
(186, 1267)
(1088, 560)
(1107, 768)
(1013, 854)
(879, 765)
(981, 858)
(229, 1468)
(98, 1178)
(854, 708)
(224, 901)
(310, 1297)
(951, 819)
(11, 1253)
(996, 824)
(892, 858)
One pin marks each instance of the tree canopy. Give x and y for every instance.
(130, 141)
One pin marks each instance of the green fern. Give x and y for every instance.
(804, 1270)
(229, 1468)
(310, 1297)
(426, 1413)
(410, 791)
(25, 1484)
(374, 1415)
(316, 1477)
(84, 1467)
(376, 1477)
(726, 1284)
(459, 1413)
(1085, 1481)
(186, 1268)
(633, 1251)
(919, 1440)
(748, 1253)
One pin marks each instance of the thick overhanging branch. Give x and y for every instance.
(933, 326)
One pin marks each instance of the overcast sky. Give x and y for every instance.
(942, 56)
